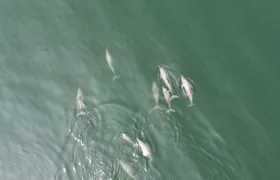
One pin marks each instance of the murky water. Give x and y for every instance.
(49, 49)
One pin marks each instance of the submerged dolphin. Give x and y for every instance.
(166, 80)
(187, 89)
(127, 168)
(146, 151)
(156, 95)
(167, 99)
(110, 63)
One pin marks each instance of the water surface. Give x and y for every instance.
(49, 49)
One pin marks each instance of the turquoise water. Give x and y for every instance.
(49, 49)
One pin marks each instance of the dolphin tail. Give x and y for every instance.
(192, 104)
(170, 110)
(173, 97)
(81, 113)
(155, 107)
(116, 77)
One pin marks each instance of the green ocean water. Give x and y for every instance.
(49, 49)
